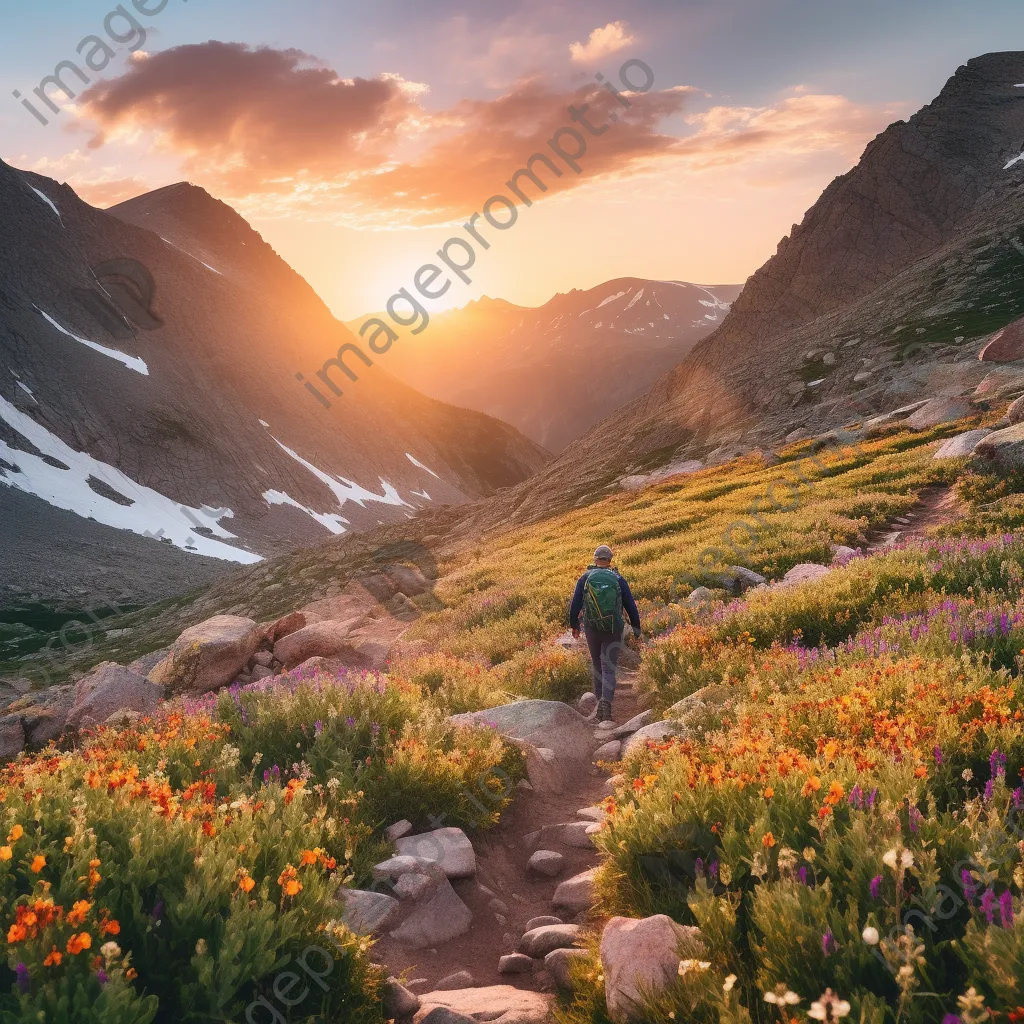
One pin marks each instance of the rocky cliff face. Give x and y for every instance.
(149, 403)
(884, 293)
(555, 371)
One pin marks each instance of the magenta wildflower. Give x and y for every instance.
(102, 977)
(1006, 909)
(876, 886)
(951, 1018)
(21, 971)
(988, 905)
(997, 763)
(967, 882)
(938, 754)
(828, 942)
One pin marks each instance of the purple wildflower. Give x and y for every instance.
(318, 727)
(713, 869)
(158, 910)
(828, 942)
(876, 886)
(102, 977)
(997, 763)
(1018, 798)
(856, 797)
(988, 905)
(988, 790)
(951, 1018)
(1006, 909)
(350, 722)
(698, 866)
(872, 797)
(938, 754)
(967, 883)
(802, 874)
(23, 980)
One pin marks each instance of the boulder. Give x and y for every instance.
(879, 423)
(1004, 380)
(399, 1002)
(261, 672)
(1005, 346)
(327, 639)
(961, 445)
(409, 580)
(842, 553)
(558, 963)
(544, 723)
(737, 579)
(587, 704)
(46, 720)
(144, 665)
(264, 658)
(354, 606)
(399, 830)
(939, 410)
(283, 626)
(577, 894)
(366, 912)
(209, 655)
(495, 1004)
(655, 732)
(12, 737)
(803, 573)
(699, 596)
(439, 919)
(541, 767)
(538, 942)
(110, 688)
(1015, 414)
(609, 751)
(395, 867)
(414, 886)
(593, 813)
(460, 979)
(547, 863)
(1002, 450)
(515, 963)
(630, 727)
(449, 848)
(641, 958)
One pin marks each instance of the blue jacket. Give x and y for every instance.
(628, 603)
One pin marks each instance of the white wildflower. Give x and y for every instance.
(829, 1007)
(870, 936)
(967, 775)
(110, 950)
(727, 985)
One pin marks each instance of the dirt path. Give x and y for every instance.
(503, 896)
(936, 506)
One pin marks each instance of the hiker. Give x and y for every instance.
(601, 595)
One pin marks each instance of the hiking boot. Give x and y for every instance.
(604, 711)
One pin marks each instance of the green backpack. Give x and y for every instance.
(602, 601)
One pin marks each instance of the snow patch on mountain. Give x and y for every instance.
(132, 362)
(416, 462)
(49, 202)
(331, 520)
(149, 514)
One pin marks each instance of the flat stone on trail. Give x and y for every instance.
(570, 833)
(641, 958)
(544, 723)
(440, 919)
(515, 963)
(546, 862)
(496, 1004)
(610, 751)
(395, 867)
(558, 963)
(367, 912)
(448, 847)
(613, 782)
(635, 723)
(587, 704)
(540, 922)
(460, 979)
(592, 813)
(576, 894)
(399, 830)
(540, 941)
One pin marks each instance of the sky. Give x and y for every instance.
(358, 138)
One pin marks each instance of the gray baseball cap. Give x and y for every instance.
(603, 552)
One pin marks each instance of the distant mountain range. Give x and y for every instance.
(555, 371)
(883, 294)
(150, 412)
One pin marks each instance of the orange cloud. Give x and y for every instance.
(254, 117)
(603, 42)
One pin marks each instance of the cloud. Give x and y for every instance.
(603, 42)
(107, 192)
(252, 116)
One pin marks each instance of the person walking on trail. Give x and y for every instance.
(600, 596)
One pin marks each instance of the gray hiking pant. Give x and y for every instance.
(604, 657)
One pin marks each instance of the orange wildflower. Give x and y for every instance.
(38, 863)
(812, 785)
(79, 942)
(15, 834)
(768, 840)
(6, 853)
(77, 914)
(53, 958)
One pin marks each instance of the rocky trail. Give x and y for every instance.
(485, 929)
(936, 506)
